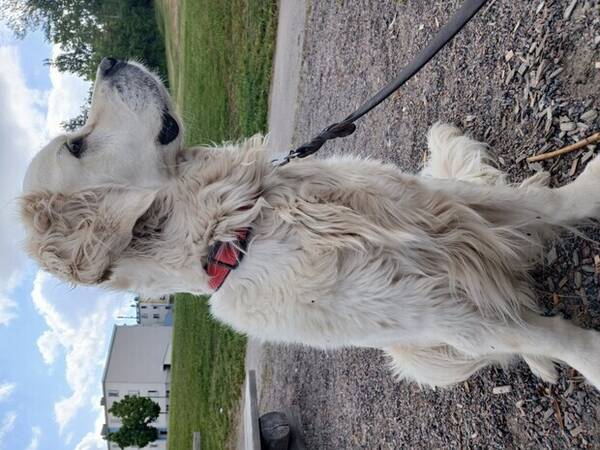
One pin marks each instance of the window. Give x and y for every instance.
(156, 316)
(168, 393)
(152, 393)
(144, 316)
(144, 306)
(168, 307)
(155, 307)
(113, 393)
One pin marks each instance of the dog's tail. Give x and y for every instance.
(454, 155)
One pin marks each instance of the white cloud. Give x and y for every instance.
(7, 425)
(6, 390)
(68, 94)
(93, 440)
(22, 123)
(78, 323)
(77, 320)
(36, 435)
(8, 310)
(84, 357)
(5, 34)
(28, 117)
(49, 346)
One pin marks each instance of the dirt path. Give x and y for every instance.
(286, 74)
(521, 77)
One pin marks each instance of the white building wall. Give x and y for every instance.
(139, 364)
(153, 314)
(154, 311)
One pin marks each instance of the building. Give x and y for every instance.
(138, 363)
(154, 311)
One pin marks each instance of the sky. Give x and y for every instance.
(53, 337)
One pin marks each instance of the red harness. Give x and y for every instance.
(223, 257)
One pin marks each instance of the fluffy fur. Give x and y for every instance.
(433, 269)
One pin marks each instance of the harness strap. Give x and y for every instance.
(346, 127)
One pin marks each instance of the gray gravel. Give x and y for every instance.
(516, 96)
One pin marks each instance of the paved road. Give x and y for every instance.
(286, 74)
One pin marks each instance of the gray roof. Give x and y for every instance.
(137, 354)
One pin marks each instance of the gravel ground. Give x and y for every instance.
(520, 97)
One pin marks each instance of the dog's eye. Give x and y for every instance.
(76, 147)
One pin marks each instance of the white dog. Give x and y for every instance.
(340, 252)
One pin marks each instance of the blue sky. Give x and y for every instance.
(53, 338)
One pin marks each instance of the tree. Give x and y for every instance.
(76, 123)
(88, 30)
(136, 414)
(133, 436)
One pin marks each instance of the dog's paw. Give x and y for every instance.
(540, 179)
(592, 169)
(583, 194)
(543, 368)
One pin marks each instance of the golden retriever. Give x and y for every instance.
(433, 269)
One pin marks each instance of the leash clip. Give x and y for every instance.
(336, 130)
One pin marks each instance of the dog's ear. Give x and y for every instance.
(78, 236)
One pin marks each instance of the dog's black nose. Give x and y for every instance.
(108, 66)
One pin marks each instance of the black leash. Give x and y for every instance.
(346, 127)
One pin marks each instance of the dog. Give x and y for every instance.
(339, 252)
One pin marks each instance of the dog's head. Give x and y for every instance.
(83, 192)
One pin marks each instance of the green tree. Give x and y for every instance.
(54, 17)
(75, 123)
(136, 414)
(88, 30)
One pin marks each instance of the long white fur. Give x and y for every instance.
(432, 269)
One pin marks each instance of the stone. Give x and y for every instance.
(568, 126)
(589, 116)
(569, 10)
(502, 390)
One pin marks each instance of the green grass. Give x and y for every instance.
(219, 58)
(206, 377)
